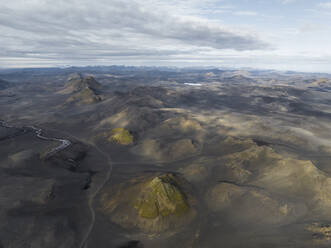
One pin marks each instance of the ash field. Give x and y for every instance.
(139, 157)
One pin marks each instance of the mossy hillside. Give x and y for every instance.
(79, 83)
(86, 95)
(163, 197)
(90, 82)
(152, 203)
(121, 136)
(89, 96)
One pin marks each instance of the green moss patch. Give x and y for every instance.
(163, 197)
(121, 136)
(86, 95)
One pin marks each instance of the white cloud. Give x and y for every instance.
(311, 27)
(245, 13)
(154, 32)
(288, 1)
(326, 5)
(85, 29)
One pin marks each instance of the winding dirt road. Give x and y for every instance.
(64, 144)
(83, 243)
(92, 196)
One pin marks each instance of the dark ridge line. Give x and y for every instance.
(241, 185)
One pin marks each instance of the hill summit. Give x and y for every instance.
(76, 82)
(153, 205)
(85, 90)
(163, 198)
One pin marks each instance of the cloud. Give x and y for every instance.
(82, 29)
(245, 13)
(311, 27)
(288, 1)
(326, 5)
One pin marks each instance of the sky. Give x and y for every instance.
(262, 34)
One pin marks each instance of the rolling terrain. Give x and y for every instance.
(119, 157)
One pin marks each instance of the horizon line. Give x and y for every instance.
(164, 67)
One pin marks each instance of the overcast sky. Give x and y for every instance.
(275, 34)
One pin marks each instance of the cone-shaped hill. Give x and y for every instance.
(85, 96)
(77, 82)
(86, 90)
(152, 205)
(119, 136)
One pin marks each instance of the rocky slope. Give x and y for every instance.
(82, 90)
(77, 82)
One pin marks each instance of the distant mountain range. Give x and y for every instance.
(125, 69)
